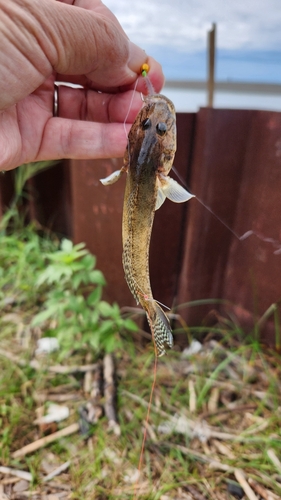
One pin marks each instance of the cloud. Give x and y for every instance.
(183, 24)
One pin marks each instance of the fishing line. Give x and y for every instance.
(244, 236)
(130, 107)
(205, 206)
(150, 299)
(161, 304)
(151, 91)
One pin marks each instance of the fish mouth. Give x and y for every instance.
(165, 163)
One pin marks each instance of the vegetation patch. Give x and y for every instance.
(72, 415)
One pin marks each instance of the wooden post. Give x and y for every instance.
(211, 64)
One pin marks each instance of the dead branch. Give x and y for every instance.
(110, 393)
(244, 484)
(17, 473)
(29, 448)
(57, 471)
(260, 490)
(194, 492)
(68, 370)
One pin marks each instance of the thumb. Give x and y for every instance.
(93, 44)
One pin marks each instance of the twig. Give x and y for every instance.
(60, 486)
(59, 398)
(68, 370)
(88, 381)
(17, 473)
(8, 481)
(184, 425)
(194, 492)
(260, 490)
(223, 450)
(57, 471)
(244, 484)
(64, 370)
(261, 427)
(239, 387)
(221, 411)
(213, 400)
(29, 448)
(192, 396)
(88, 375)
(110, 393)
(272, 483)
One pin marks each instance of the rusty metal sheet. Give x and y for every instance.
(97, 221)
(253, 271)
(237, 173)
(6, 190)
(167, 234)
(49, 199)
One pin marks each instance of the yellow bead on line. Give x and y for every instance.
(144, 69)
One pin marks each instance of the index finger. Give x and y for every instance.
(155, 75)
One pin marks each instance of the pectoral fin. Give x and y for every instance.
(160, 198)
(110, 179)
(171, 189)
(175, 192)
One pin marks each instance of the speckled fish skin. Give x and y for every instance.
(149, 155)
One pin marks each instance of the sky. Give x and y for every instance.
(175, 32)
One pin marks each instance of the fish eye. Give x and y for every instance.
(146, 124)
(161, 128)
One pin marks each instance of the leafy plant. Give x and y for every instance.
(21, 259)
(73, 308)
(25, 172)
(70, 288)
(15, 215)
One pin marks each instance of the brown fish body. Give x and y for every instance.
(150, 153)
(148, 159)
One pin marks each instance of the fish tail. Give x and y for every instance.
(160, 327)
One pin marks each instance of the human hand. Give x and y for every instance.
(76, 41)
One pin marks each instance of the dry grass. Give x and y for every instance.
(214, 427)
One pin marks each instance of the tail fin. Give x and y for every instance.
(160, 327)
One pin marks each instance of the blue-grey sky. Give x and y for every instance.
(175, 32)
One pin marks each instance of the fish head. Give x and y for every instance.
(152, 138)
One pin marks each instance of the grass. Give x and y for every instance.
(213, 413)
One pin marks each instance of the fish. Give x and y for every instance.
(147, 162)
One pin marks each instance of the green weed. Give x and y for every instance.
(72, 287)
(49, 287)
